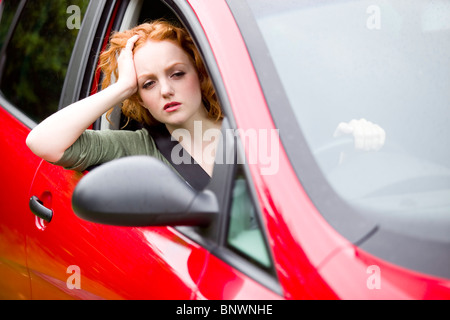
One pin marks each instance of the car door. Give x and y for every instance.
(238, 263)
(69, 258)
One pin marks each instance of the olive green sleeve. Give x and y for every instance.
(96, 147)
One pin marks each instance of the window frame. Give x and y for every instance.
(81, 79)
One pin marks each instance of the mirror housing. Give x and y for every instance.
(141, 191)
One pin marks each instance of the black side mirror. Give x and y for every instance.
(141, 191)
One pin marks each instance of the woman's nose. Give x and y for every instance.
(166, 89)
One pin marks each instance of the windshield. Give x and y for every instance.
(387, 62)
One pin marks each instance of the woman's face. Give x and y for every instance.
(168, 83)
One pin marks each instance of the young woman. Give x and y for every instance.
(161, 82)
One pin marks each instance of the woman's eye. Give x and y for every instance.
(148, 84)
(178, 74)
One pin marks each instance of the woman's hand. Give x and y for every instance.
(125, 64)
(368, 136)
(64, 127)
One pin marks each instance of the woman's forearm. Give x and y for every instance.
(59, 131)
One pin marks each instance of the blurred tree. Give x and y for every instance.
(38, 55)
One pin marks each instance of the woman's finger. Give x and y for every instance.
(131, 42)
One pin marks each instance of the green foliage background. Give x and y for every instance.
(38, 54)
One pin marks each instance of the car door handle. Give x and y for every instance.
(38, 208)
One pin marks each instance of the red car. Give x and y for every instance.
(291, 212)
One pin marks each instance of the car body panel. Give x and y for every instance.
(357, 275)
(220, 282)
(14, 206)
(114, 262)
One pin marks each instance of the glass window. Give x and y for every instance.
(38, 54)
(388, 63)
(244, 233)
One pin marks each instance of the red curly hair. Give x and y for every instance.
(158, 30)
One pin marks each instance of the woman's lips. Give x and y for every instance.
(171, 106)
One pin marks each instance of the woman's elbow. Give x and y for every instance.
(32, 144)
(42, 148)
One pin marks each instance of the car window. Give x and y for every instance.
(37, 55)
(244, 232)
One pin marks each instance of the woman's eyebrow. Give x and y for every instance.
(170, 66)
